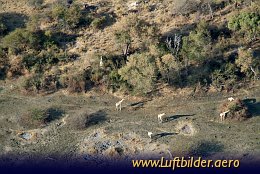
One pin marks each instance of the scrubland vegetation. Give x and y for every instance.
(216, 51)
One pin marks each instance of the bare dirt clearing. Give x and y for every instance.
(91, 127)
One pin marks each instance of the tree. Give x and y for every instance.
(225, 76)
(197, 45)
(123, 39)
(134, 33)
(247, 63)
(168, 67)
(139, 72)
(246, 23)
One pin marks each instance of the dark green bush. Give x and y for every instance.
(115, 80)
(45, 59)
(21, 40)
(226, 76)
(197, 45)
(67, 18)
(247, 23)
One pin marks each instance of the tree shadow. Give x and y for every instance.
(256, 53)
(62, 39)
(137, 105)
(219, 31)
(110, 19)
(206, 148)
(2, 74)
(253, 106)
(174, 117)
(96, 118)
(13, 20)
(182, 29)
(54, 114)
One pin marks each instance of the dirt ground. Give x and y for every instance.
(91, 129)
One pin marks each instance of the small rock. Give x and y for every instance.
(26, 135)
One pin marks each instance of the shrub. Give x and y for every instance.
(33, 25)
(41, 83)
(247, 23)
(38, 114)
(77, 82)
(115, 80)
(246, 62)
(66, 17)
(97, 76)
(45, 58)
(21, 40)
(238, 110)
(226, 76)
(198, 44)
(38, 117)
(30, 60)
(168, 68)
(34, 118)
(15, 67)
(49, 83)
(184, 7)
(33, 83)
(139, 72)
(98, 23)
(135, 33)
(123, 39)
(113, 62)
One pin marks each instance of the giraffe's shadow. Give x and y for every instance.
(163, 134)
(174, 117)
